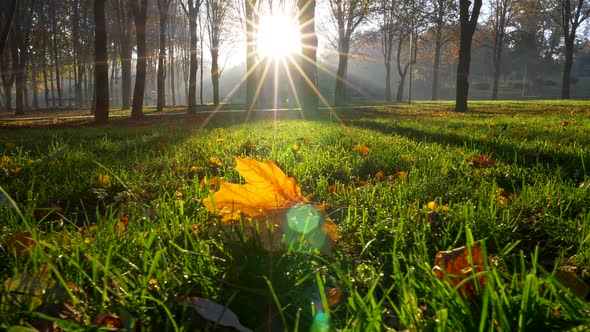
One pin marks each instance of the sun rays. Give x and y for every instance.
(279, 67)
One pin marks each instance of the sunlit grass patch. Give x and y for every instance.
(109, 222)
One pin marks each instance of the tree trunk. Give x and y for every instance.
(77, 51)
(171, 62)
(8, 77)
(567, 69)
(468, 24)
(194, 65)
(463, 74)
(101, 110)
(251, 72)
(201, 71)
(56, 54)
(45, 86)
(125, 75)
(139, 15)
(309, 44)
(435, 69)
(35, 84)
(18, 76)
(215, 74)
(7, 24)
(161, 72)
(497, 58)
(387, 81)
(402, 83)
(340, 86)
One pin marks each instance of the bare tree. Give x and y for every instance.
(101, 75)
(442, 15)
(7, 12)
(309, 45)
(408, 18)
(347, 15)
(216, 13)
(499, 19)
(139, 11)
(163, 6)
(7, 76)
(20, 47)
(468, 23)
(123, 31)
(388, 37)
(569, 15)
(191, 9)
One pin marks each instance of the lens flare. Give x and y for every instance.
(303, 227)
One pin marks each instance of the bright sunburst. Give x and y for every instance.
(278, 36)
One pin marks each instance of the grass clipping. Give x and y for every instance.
(270, 207)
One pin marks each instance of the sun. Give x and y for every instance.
(278, 36)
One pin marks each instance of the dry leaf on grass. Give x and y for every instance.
(481, 161)
(568, 278)
(456, 265)
(212, 311)
(21, 243)
(270, 195)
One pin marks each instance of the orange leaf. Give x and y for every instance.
(362, 149)
(334, 296)
(106, 318)
(456, 265)
(379, 176)
(481, 161)
(22, 243)
(267, 188)
(269, 194)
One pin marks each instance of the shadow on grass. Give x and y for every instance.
(572, 165)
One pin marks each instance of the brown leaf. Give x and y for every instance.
(106, 318)
(481, 161)
(567, 277)
(22, 244)
(334, 296)
(456, 265)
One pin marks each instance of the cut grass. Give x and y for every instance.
(116, 212)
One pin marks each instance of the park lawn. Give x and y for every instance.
(108, 225)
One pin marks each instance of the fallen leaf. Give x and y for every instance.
(481, 161)
(334, 296)
(28, 289)
(568, 278)
(248, 148)
(456, 265)
(103, 181)
(212, 311)
(21, 244)
(362, 149)
(214, 161)
(400, 176)
(270, 195)
(379, 176)
(267, 188)
(106, 318)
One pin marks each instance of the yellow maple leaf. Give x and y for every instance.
(270, 195)
(267, 188)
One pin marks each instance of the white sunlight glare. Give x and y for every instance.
(278, 37)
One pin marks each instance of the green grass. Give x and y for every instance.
(530, 212)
